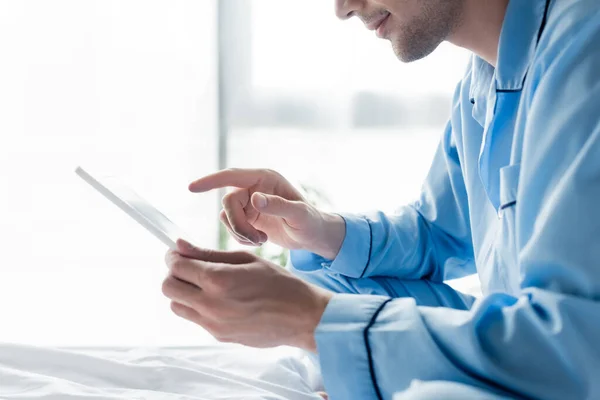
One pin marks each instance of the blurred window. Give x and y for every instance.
(329, 105)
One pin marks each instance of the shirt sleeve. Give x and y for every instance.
(428, 239)
(542, 343)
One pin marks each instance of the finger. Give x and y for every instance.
(279, 207)
(205, 277)
(201, 274)
(189, 251)
(241, 178)
(211, 326)
(229, 200)
(186, 270)
(238, 238)
(181, 292)
(186, 312)
(233, 204)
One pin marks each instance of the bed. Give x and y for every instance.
(211, 372)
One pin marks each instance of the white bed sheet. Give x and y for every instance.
(207, 373)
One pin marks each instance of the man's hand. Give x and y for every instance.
(241, 298)
(265, 206)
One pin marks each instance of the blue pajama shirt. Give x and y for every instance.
(513, 195)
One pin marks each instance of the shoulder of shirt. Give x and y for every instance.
(571, 31)
(569, 24)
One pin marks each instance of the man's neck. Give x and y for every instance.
(479, 30)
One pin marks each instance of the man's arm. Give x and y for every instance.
(418, 240)
(543, 343)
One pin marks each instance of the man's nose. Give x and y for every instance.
(345, 9)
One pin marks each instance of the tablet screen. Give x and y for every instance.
(136, 207)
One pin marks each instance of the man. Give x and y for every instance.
(512, 195)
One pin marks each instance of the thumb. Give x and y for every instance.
(186, 249)
(189, 250)
(279, 207)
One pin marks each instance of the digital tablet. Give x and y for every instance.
(136, 207)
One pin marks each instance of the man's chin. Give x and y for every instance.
(410, 53)
(404, 56)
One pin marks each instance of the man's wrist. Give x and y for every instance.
(330, 237)
(315, 314)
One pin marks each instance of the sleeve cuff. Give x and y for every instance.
(342, 346)
(355, 254)
(306, 261)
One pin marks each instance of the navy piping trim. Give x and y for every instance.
(370, 248)
(544, 21)
(540, 32)
(509, 90)
(368, 346)
(508, 205)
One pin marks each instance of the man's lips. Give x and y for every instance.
(373, 25)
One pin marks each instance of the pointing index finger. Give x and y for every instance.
(240, 178)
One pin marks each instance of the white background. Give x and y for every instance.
(118, 86)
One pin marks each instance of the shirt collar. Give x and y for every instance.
(523, 25)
